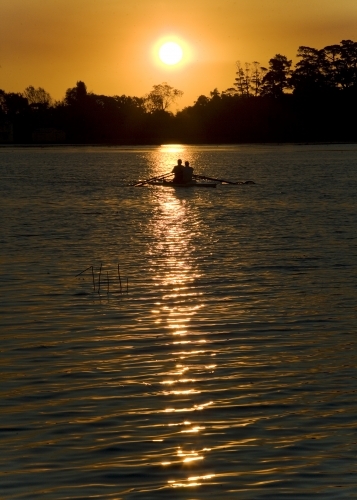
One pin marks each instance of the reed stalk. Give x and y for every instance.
(100, 272)
(121, 290)
(93, 278)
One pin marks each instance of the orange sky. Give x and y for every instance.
(110, 44)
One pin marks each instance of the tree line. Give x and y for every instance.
(314, 101)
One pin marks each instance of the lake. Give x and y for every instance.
(207, 351)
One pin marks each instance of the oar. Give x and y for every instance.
(152, 179)
(212, 179)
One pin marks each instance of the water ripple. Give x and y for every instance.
(228, 367)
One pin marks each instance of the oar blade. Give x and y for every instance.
(141, 183)
(205, 177)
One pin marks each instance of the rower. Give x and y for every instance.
(178, 171)
(187, 173)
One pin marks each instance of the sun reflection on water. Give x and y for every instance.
(176, 227)
(191, 481)
(172, 148)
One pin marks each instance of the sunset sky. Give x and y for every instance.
(112, 45)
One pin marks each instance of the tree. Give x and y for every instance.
(242, 80)
(276, 80)
(37, 96)
(202, 101)
(348, 64)
(257, 77)
(130, 103)
(215, 95)
(13, 103)
(332, 65)
(249, 79)
(2, 101)
(311, 74)
(161, 97)
(324, 70)
(76, 95)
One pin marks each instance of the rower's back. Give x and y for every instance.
(187, 173)
(178, 172)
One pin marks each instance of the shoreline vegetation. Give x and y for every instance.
(314, 102)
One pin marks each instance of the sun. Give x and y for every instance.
(170, 53)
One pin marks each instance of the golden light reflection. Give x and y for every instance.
(163, 159)
(180, 332)
(172, 148)
(181, 370)
(191, 481)
(189, 409)
(180, 423)
(190, 456)
(204, 405)
(194, 429)
(189, 391)
(192, 459)
(175, 227)
(189, 353)
(176, 327)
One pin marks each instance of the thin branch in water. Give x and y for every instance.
(83, 271)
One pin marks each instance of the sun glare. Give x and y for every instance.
(170, 53)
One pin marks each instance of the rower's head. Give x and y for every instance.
(179, 161)
(187, 163)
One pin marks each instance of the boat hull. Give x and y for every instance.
(186, 185)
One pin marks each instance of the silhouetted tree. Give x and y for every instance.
(202, 101)
(37, 96)
(325, 70)
(14, 104)
(249, 79)
(311, 73)
(161, 97)
(332, 66)
(215, 95)
(322, 106)
(348, 64)
(2, 102)
(76, 95)
(276, 80)
(243, 79)
(257, 76)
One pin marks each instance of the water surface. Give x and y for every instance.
(219, 363)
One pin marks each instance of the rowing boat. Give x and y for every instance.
(183, 185)
(161, 181)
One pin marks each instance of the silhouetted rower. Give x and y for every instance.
(187, 173)
(178, 172)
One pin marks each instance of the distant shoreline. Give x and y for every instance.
(131, 146)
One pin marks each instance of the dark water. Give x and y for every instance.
(225, 364)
